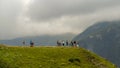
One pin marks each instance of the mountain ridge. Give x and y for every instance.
(104, 39)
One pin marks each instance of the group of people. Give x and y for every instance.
(59, 43)
(31, 43)
(67, 43)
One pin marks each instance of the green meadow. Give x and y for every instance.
(50, 57)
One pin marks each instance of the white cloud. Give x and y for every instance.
(20, 18)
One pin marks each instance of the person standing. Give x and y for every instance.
(63, 43)
(75, 43)
(67, 43)
(72, 43)
(31, 43)
(23, 42)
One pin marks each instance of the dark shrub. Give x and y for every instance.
(72, 60)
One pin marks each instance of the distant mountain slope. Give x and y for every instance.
(50, 57)
(104, 39)
(39, 40)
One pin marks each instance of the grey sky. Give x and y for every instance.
(20, 18)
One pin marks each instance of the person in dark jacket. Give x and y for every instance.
(31, 43)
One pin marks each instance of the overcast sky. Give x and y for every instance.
(20, 18)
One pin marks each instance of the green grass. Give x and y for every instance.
(50, 57)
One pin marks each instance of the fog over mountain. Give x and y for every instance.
(20, 18)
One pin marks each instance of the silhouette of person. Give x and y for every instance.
(63, 43)
(23, 42)
(67, 43)
(31, 43)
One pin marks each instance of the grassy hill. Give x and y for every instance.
(50, 57)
